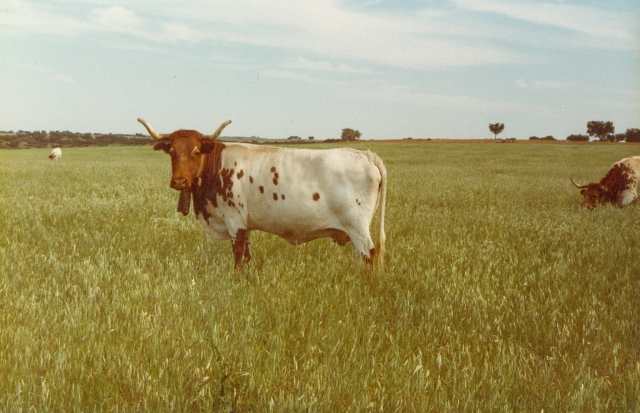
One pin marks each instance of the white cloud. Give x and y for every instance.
(305, 64)
(178, 32)
(579, 18)
(397, 93)
(546, 84)
(117, 18)
(64, 79)
(18, 17)
(286, 74)
(328, 30)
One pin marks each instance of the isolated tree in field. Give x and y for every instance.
(496, 128)
(350, 134)
(602, 130)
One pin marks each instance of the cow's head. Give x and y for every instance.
(186, 148)
(594, 194)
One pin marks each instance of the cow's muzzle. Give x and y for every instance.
(179, 183)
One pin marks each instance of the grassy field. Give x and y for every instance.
(500, 292)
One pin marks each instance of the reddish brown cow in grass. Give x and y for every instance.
(298, 194)
(618, 187)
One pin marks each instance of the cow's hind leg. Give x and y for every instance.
(240, 245)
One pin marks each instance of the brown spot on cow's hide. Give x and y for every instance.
(240, 174)
(261, 188)
(282, 196)
(358, 202)
(316, 196)
(224, 189)
(618, 179)
(340, 237)
(250, 179)
(275, 181)
(230, 203)
(235, 164)
(275, 196)
(273, 169)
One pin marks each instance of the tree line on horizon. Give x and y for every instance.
(603, 131)
(52, 139)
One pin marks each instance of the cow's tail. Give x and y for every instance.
(382, 196)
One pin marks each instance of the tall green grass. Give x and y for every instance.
(500, 292)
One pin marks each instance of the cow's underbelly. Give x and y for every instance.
(296, 237)
(298, 228)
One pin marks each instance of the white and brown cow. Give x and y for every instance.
(298, 194)
(618, 187)
(56, 153)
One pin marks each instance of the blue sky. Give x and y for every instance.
(391, 69)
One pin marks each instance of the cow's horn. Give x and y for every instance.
(152, 132)
(217, 132)
(576, 185)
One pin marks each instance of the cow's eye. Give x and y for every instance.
(195, 152)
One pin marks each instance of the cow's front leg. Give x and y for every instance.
(240, 247)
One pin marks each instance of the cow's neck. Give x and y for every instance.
(208, 181)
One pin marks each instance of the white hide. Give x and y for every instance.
(348, 184)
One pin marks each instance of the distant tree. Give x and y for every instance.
(311, 138)
(350, 134)
(602, 130)
(496, 128)
(578, 138)
(633, 135)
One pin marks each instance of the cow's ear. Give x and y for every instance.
(165, 146)
(207, 147)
